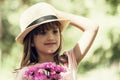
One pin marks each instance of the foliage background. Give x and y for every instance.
(103, 59)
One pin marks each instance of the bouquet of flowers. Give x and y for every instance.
(45, 71)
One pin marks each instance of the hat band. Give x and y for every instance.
(44, 18)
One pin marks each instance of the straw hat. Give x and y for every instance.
(38, 14)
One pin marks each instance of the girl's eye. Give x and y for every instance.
(42, 32)
(55, 31)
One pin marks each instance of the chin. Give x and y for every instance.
(50, 52)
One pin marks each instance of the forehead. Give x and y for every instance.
(48, 26)
(45, 27)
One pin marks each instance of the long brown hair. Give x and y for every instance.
(30, 54)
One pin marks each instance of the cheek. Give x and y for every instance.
(38, 45)
(37, 41)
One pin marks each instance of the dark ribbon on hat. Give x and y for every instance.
(41, 19)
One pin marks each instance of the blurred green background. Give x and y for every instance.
(103, 59)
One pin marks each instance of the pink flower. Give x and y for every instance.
(45, 71)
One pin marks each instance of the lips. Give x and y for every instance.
(50, 43)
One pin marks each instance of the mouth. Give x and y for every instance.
(50, 43)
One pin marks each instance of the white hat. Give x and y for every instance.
(38, 14)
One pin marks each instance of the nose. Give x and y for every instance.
(50, 36)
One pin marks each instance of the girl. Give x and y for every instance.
(41, 26)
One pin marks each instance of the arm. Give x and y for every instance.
(89, 29)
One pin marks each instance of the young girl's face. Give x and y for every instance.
(47, 41)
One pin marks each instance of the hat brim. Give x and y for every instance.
(22, 35)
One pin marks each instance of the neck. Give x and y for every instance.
(46, 58)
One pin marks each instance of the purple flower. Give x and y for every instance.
(45, 71)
